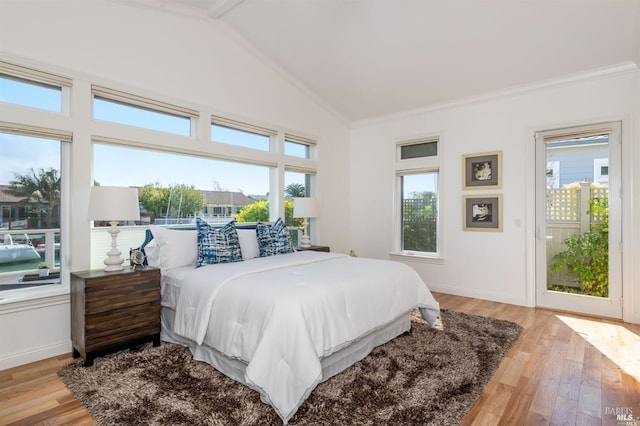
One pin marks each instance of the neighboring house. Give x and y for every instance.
(225, 203)
(14, 212)
(577, 160)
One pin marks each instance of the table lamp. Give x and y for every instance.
(306, 208)
(113, 204)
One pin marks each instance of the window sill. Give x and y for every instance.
(416, 257)
(33, 298)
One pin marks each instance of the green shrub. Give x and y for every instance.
(587, 254)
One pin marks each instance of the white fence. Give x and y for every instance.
(568, 213)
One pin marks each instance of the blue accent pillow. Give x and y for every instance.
(273, 239)
(217, 245)
(148, 236)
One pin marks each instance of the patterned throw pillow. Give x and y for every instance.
(148, 236)
(217, 245)
(273, 239)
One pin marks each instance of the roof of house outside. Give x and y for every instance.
(228, 198)
(221, 198)
(7, 198)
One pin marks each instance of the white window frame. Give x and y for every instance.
(404, 167)
(247, 128)
(141, 102)
(64, 138)
(83, 88)
(309, 143)
(28, 121)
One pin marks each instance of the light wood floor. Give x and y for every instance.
(564, 369)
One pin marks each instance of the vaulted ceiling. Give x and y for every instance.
(370, 58)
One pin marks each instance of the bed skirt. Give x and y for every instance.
(331, 364)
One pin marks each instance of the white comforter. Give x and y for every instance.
(282, 314)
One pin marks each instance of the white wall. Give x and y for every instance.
(189, 62)
(492, 265)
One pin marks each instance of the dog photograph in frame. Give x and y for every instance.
(482, 212)
(482, 170)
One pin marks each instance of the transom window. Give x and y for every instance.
(298, 147)
(32, 88)
(132, 110)
(419, 150)
(241, 134)
(132, 115)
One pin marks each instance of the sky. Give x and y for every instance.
(21, 153)
(120, 166)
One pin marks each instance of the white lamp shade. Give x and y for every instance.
(305, 207)
(114, 203)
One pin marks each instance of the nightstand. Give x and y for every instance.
(313, 248)
(114, 310)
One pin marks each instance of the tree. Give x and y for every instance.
(259, 212)
(154, 199)
(419, 221)
(295, 190)
(185, 201)
(41, 187)
(288, 215)
(177, 201)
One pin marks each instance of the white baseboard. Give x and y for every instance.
(466, 292)
(34, 354)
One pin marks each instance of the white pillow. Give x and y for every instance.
(248, 243)
(152, 252)
(176, 248)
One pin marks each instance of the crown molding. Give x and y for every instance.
(617, 69)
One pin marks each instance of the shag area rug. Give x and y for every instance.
(427, 376)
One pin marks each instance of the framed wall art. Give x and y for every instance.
(482, 213)
(482, 170)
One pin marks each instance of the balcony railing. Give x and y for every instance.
(22, 251)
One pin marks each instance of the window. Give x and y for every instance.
(209, 180)
(36, 95)
(297, 184)
(31, 88)
(601, 170)
(241, 134)
(215, 190)
(298, 147)
(30, 200)
(131, 110)
(417, 201)
(419, 150)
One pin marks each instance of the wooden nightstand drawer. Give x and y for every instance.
(120, 326)
(110, 310)
(108, 301)
(121, 319)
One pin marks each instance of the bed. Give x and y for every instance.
(277, 320)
